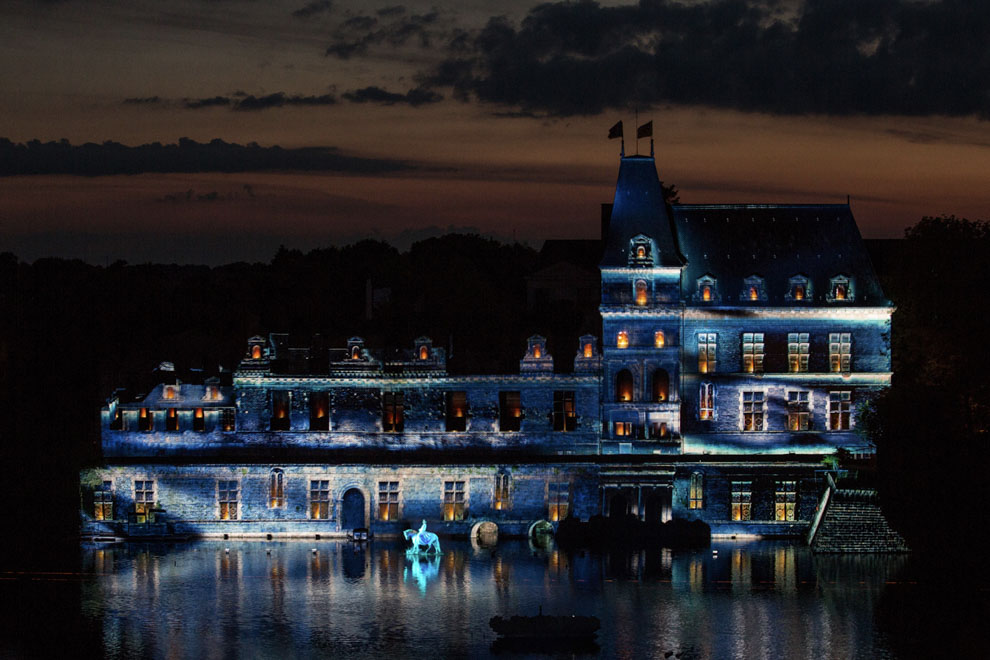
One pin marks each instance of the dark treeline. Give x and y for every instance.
(71, 332)
(91, 159)
(932, 427)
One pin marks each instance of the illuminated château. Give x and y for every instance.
(739, 343)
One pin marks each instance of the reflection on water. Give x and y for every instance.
(300, 599)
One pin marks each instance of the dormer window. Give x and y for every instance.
(355, 353)
(213, 393)
(171, 392)
(659, 340)
(840, 289)
(256, 352)
(537, 351)
(622, 340)
(754, 289)
(707, 289)
(588, 350)
(641, 294)
(641, 251)
(798, 289)
(424, 353)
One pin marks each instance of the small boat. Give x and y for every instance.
(358, 534)
(546, 626)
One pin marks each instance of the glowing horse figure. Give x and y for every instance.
(422, 539)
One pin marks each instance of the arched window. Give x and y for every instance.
(696, 496)
(588, 350)
(537, 351)
(658, 339)
(640, 251)
(641, 295)
(622, 339)
(356, 353)
(276, 489)
(424, 353)
(623, 386)
(661, 385)
(256, 352)
(706, 292)
(798, 292)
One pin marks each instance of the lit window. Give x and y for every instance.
(658, 339)
(424, 353)
(276, 489)
(706, 352)
(798, 288)
(588, 350)
(839, 409)
(696, 495)
(355, 352)
(798, 410)
(753, 289)
(785, 500)
(641, 295)
(500, 498)
(388, 500)
(454, 502)
(280, 410)
(742, 494)
(319, 499)
(623, 429)
(797, 351)
(170, 392)
(117, 423)
(144, 499)
(752, 349)
(103, 502)
(753, 410)
(706, 407)
(509, 411)
(213, 393)
(623, 386)
(622, 340)
(172, 420)
(661, 385)
(228, 419)
(457, 411)
(199, 421)
(564, 411)
(319, 411)
(256, 352)
(706, 292)
(146, 420)
(227, 498)
(393, 412)
(558, 500)
(640, 252)
(840, 351)
(840, 289)
(658, 429)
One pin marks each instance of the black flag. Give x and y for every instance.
(646, 130)
(615, 131)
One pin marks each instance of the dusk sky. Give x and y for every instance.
(484, 115)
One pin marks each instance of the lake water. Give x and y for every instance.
(231, 599)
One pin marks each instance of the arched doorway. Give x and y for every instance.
(624, 386)
(352, 509)
(661, 385)
(618, 506)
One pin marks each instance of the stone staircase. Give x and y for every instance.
(853, 522)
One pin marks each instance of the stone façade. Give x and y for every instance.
(739, 343)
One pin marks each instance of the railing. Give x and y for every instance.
(822, 507)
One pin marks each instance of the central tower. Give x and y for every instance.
(641, 317)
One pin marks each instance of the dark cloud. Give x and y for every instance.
(196, 104)
(279, 99)
(146, 100)
(36, 157)
(395, 10)
(313, 8)
(834, 57)
(414, 97)
(356, 34)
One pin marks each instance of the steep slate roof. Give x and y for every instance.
(639, 209)
(775, 241)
